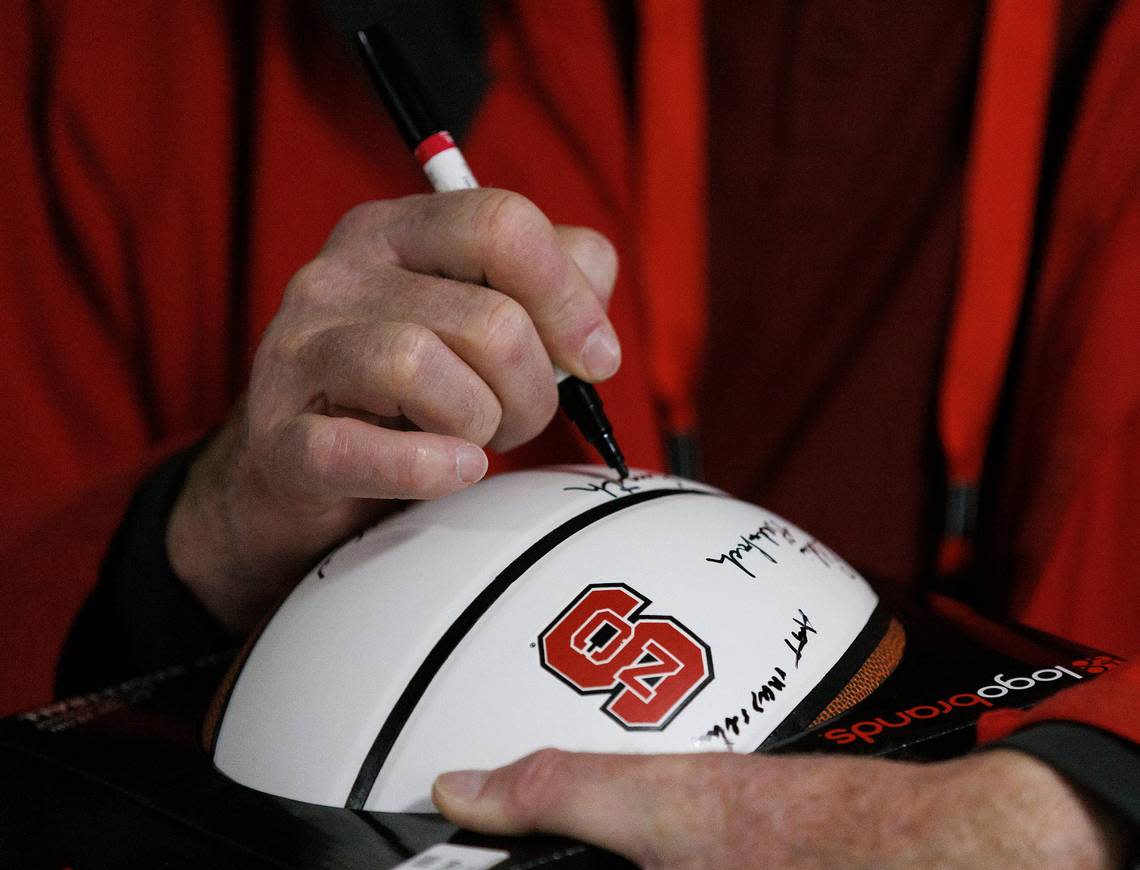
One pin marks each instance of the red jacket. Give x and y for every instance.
(124, 338)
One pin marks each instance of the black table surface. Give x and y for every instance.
(117, 778)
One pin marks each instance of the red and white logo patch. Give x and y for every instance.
(650, 666)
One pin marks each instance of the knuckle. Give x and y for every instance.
(508, 330)
(411, 352)
(483, 419)
(309, 349)
(568, 308)
(313, 282)
(510, 221)
(533, 788)
(363, 227)
(362, 218)
(322, 455)
(282, 357)
(522, 250)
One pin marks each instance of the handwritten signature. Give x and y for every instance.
(768, 691)
(827, 557)
(768, 540)
(768, 537)
(800, 636)
(617, 488)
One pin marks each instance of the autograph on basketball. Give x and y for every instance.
(615, 488)
(766, 692)
(771, 542)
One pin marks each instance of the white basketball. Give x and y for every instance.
(558, 607)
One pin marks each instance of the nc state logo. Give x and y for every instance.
(650, 666)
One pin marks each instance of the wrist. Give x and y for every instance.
(239, 545)
(226, 543)
(1046, 817)
(200, 541)
(1100, 766)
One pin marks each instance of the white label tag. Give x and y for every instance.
(447, 170)
(444, 856)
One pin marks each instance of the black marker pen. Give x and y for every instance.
(446, 169)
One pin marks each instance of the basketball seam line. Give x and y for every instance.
(405, 705)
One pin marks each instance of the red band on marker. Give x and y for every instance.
(433, 145)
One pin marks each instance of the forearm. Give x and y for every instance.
(992, 809)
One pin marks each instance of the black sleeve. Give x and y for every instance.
(140, 617)
(1100, 764)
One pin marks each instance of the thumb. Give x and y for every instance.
(620, 802)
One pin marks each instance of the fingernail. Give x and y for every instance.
(470, 463)
(463, 785)
(601, 354)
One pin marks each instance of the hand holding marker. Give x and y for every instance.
(446, 169)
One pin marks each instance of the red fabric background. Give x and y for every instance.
(115, 323)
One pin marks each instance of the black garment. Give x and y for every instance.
(140, 617)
